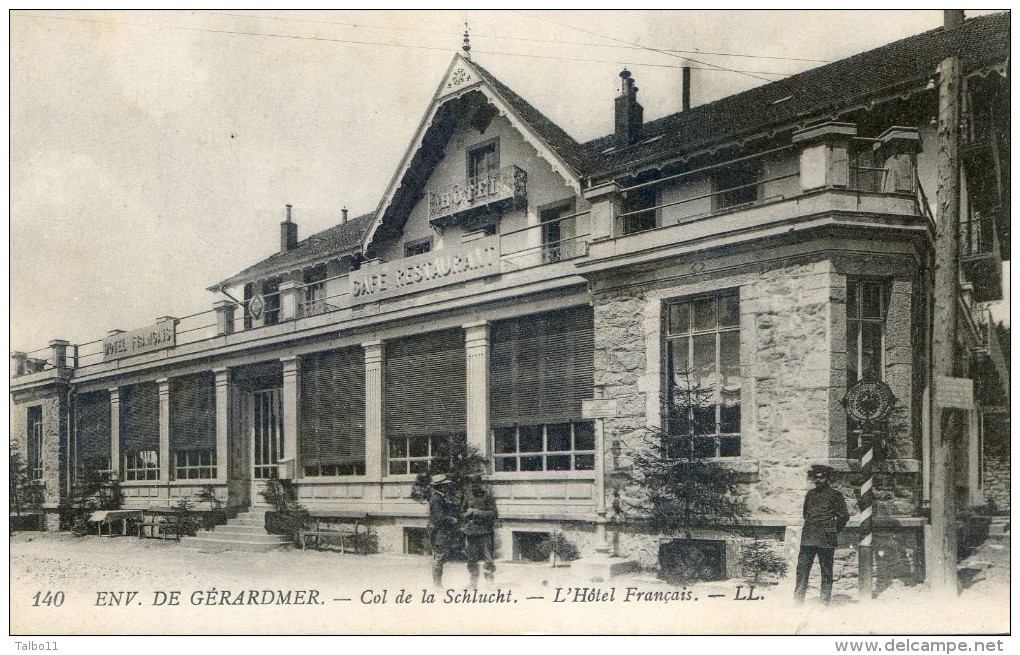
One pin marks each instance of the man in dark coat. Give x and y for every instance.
(825, 515)
(479, 531)
(443, 518)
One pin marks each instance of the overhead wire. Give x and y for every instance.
(516, 38)
(613, 38)
(712, 67)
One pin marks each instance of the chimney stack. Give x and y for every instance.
(629, 114)
(952, 18)
(288, 233)
(343, 216)
(687, 88)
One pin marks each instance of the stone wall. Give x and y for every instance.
(785, 323)
(996, 464)
(785, 360)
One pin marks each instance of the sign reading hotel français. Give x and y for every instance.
(468, 261)
(143, 340)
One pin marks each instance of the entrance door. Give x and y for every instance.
(267, 439)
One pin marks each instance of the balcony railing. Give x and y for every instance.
(507, 186)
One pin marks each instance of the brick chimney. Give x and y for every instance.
(952, 18)
(343, 216)
(686, 99)
(288, 233)
(629, 114)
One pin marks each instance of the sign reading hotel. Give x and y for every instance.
(430, 270)
(155, 337)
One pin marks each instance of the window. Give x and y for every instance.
(139, 431)
(866, 171)
(313, 296)
(639, 209)
(866, 305)
(331, 434)
(549, 447)
(865, 313)
(271, 294)
(554, 231)
(92, 434)
(737, 185)
(419, 247)
(420, 454)
(193, 426)
(35, 443)
(141, 465)
(703, 374)
(483, 160)
(195, 464)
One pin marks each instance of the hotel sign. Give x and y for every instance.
(155, 337)
(438, 268)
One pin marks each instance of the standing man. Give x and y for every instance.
(443, 517)
(479, 530)
(825, 515)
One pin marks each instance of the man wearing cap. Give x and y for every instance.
(825, 515)
(443, 517)
(479, 531)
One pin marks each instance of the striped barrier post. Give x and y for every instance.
(865, 554)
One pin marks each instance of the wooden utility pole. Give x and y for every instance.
(940, 546)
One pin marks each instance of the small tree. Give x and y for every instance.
(291, 515)
(184, 518)
(462, 463)
(683, 487)
(93, 489)
(207, 494)
(758, 559)
(25, 493)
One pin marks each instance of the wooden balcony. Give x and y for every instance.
(502, 190)
(981, 257)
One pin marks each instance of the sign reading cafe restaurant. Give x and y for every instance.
(437, 268)
(155, 337)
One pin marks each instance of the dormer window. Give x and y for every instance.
(417, 247)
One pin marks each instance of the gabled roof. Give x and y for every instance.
(337, 241)
(562, 152)
(827, 91)
(582, 159)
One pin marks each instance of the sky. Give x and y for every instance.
(152, 153)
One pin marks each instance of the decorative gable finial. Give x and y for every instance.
(467, 41)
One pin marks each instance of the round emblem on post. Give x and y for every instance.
(256, 306)
(869, 401)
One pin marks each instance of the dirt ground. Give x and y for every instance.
(181, 590)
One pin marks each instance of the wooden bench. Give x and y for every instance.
(345, 534)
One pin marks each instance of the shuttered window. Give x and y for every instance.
(426, 381)
(93, 442)
(139, 430)
(542, 367)
(193, 426)
(332, 433)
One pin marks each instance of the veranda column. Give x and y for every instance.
(373, 409)
(291, 405)
(476, 338)
(222, 421)
(164, 429)
(115, 432)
